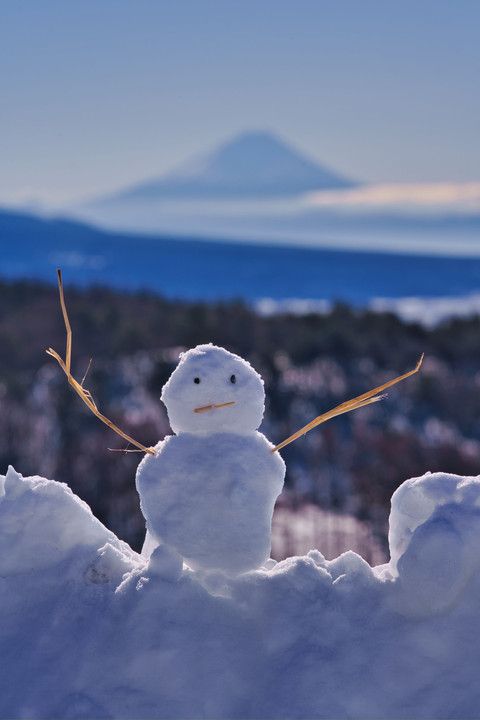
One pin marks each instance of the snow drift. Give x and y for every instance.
(90, 629)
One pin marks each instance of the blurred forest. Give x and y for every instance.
(340, 476)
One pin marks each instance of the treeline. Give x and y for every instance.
(310, 364)
(112, 323)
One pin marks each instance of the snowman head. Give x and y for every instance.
(213, 390)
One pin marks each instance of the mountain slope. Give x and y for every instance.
(255, 164)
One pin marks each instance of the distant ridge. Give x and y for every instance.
(196, 269)
(252, 165)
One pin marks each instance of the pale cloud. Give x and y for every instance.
(436, 196)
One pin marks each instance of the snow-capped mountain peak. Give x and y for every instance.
(253, 164)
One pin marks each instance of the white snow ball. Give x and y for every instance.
(211, 498)
(213, 390)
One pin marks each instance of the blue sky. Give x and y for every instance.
(99, 94)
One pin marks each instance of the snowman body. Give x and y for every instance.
(210, 489)
(211, 498)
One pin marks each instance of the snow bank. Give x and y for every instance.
(90, 629)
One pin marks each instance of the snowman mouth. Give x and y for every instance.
(213, 407)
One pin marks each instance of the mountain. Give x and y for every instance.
(257, 188)
(252, 165)
(192, 268)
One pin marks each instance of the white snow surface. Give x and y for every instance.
(90, 629)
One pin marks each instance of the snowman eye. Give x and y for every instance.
(196, 380)
(233, 379)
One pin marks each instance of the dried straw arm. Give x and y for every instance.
(78, 387)
(358, 402)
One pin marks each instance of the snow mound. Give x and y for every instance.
(90, 629)
(433, 538)
(43, 524)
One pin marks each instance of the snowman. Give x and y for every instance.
(209, 490)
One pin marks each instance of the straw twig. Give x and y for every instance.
(213, 407)
(369, 397)
(84, 394)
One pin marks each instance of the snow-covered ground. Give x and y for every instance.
(90, 629)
